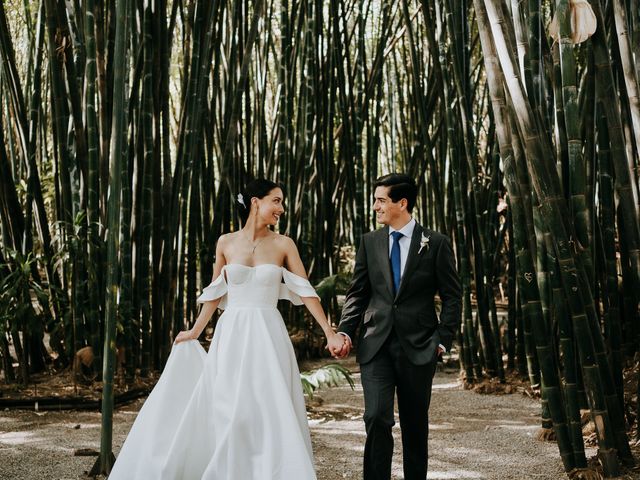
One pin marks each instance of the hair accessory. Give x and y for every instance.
(241, 200)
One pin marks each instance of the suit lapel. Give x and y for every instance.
(382, 253)
(412, 257)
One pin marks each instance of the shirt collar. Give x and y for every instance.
(407, 230)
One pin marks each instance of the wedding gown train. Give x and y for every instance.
(236, 412)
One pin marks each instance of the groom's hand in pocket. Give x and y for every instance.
(439, 354)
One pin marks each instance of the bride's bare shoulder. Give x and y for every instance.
(282, 238)
(227, 239)
(284, 242)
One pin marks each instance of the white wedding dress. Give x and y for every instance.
(236, 412)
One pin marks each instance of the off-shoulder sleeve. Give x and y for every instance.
(295, 287)
(215, 290)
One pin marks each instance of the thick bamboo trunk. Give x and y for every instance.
(625, 180)
(117, 152)
(526, 277)
(628, 63)
(577, 291)
(93, 197)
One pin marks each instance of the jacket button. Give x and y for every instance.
(395, 306)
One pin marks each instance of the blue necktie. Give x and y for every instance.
(395, 260)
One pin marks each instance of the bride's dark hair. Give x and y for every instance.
(258, 188)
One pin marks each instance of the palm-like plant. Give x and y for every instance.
(330, 375)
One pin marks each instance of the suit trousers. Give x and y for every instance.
(387, 374)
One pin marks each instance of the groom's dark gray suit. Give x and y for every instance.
(398, 341)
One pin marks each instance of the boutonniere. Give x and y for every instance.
(424, 242)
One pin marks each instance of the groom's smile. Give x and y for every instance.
(387, 211)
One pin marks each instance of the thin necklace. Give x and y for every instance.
(251, 243)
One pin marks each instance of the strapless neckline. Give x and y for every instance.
(254, 266)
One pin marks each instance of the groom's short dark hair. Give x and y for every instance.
(400, 186)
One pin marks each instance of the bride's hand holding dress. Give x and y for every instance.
(184, 336)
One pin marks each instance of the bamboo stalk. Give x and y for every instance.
(547, 187)
(629, 74)
(625, 182)
(118, 149)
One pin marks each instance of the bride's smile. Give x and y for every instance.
(268, 209)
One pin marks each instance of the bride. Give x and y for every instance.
(236, 412)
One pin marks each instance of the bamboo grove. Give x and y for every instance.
(128, 128)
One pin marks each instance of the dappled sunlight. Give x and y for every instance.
(442, 426)
(446, 386)
(515, 428)
(352, 449)
(18, 438)
(343, 427)
(460, 451)
(65, 450)
(472, 437)
(6, 450)
(512, 422)
(463, 419)
(342, 406)
(454, 475)
(128, 412)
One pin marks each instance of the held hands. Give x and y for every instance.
(184, 336)
(338, 345)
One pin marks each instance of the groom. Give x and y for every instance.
(398, 270)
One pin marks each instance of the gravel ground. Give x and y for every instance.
(472, 436)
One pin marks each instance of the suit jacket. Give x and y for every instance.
(371, 304)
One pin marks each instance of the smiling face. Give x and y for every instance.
(387, 211)
(270, 207)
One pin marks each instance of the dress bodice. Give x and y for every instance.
(242, 286)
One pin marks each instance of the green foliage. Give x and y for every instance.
(333, 285)
(16, 290)
(331, 375)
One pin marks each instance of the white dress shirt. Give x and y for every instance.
(405, 242)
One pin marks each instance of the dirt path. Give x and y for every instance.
(472, 437)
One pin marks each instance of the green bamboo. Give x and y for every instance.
(25, 128)
(627, 64)
(625, 183)
(578, 295)
(577, 170)
(511, 294)
(527, 283)
(472, 365)
(146, 214)
(567, 354)
(491, 343)
(93, 197)
(118, 149)
(611, 295)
